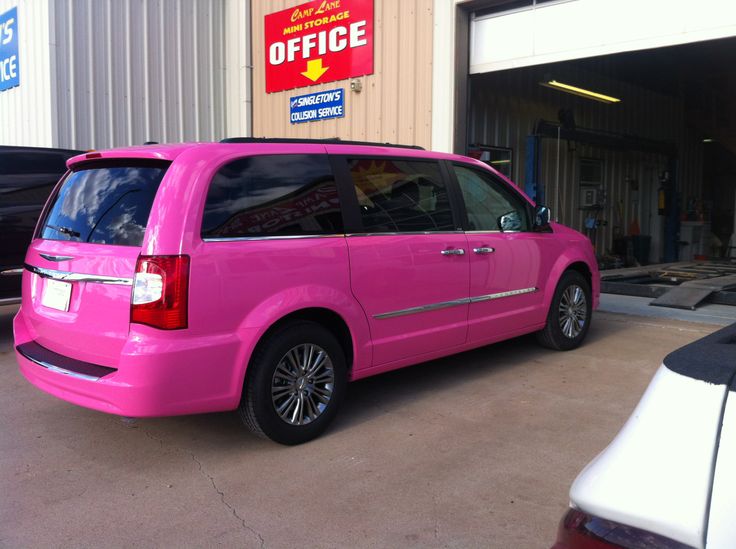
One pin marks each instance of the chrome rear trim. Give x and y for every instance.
(56, 369)
(78, 277)
(10, 301)
(61, 364)
(56, 257)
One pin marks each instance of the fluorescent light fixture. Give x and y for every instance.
(506, 161)
(708, 140)
(580, 91)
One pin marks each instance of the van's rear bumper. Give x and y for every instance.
(158, 374)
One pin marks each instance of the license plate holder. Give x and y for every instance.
(56, 294)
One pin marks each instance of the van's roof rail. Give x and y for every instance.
(331, 140)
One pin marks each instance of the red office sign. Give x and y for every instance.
(318, 42)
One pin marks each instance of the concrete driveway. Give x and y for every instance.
(476, 450)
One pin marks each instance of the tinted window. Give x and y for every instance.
(26, 162)
(401, 195)
(284, 195)
(35, 192)
(489, 204)
(105, 205)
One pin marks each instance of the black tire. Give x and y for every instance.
(258, 409)
(557, 334)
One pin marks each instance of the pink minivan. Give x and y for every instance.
(261, 275)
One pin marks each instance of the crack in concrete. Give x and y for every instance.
(214, 485)
(225, 503)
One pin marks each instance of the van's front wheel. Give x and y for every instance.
(569, 314)
(294, 383)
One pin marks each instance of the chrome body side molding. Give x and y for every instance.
(453, 303)
(501, 295)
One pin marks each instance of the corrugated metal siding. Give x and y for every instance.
(25, 111)
(238, 68)
(130, 71)
(396, 102)
(505, 106)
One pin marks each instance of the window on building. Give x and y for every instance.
(275, 195)
(401, 196)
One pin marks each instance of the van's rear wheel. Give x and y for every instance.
(294, 383)
(569, 314)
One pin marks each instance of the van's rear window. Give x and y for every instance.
(104, 204)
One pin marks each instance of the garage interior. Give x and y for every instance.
(647, 171)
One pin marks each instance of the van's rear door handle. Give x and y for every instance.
(453, 251)
(484, 250)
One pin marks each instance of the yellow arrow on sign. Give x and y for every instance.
(315, 69)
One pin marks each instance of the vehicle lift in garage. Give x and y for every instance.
(672, 284)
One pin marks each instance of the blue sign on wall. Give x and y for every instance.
(317, 106)
(9, 66)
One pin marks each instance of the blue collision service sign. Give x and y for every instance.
(317, 106)
(9, 70)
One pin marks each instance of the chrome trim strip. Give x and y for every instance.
(58, 370)
(500, 295)
(11, 272)
(275, 237)
(423, 308)
(79, 277)
(453, 303)
(405, 233)
(56, 257)
(10, 301)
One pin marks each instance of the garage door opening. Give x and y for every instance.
(636, 150)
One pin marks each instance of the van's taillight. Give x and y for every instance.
(160, 291)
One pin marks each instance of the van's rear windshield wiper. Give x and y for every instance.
(65, 230)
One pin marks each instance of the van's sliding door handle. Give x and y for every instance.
(453, 251)
(484, 250)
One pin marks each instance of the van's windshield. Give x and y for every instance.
(104, 203)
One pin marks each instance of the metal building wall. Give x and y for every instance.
(238, 68)
(130, 71)
(505, 106)
(25, 111)
(396, 102)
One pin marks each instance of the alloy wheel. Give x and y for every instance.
(573, 311)
(302, 384)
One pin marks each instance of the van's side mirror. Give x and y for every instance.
(541, 216)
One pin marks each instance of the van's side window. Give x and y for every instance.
(275, 195)
(490, 206)
(397, 195)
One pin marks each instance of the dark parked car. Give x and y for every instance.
(27, 176)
